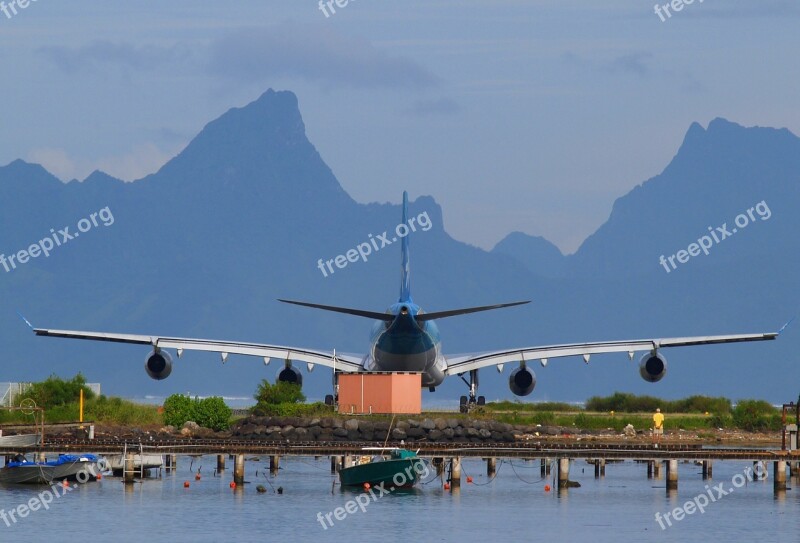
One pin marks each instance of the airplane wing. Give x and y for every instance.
(463, 363)
(341, 362)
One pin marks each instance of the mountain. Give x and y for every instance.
(241, 217)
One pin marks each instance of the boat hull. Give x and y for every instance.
(391, 474)
(82, 469)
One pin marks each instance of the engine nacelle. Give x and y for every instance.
(158, 364)
(653, 367)
(290, 374)
(522, 381)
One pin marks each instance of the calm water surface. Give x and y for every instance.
(512, 507)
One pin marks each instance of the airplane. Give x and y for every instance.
(406, 339)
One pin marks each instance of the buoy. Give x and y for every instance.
(65, 483)
(447, 486)
(233, 484)
(197, 477)
(261, 489)
(547, 488)
(367, 486)
(99, 477)
(186, 484)
(280, 490)
(469, 479)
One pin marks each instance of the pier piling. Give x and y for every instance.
(545, 467)
(274, 464)
(491, 467)
(335, 463)
(455, 472)
(563, 472)
(238, 470)
(599, 468)
(708, 468)
(220, 463)
(780, 475)
(129, 469)
(672, 475)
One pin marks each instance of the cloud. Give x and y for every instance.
(100, 54)
(633, 63)
(312, 53)
(140, 161)
(440, 106)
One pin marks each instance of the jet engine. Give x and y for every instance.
(653, 367)
(290, 374)
(522, 381)
(158, 364)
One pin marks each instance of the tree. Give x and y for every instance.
(279, 393)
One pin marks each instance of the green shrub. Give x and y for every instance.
(756, 415)
(55, 392)
(209, 412)
(278, 393)
(292, 409)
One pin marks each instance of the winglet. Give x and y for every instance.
(26, 320)
(787, 324)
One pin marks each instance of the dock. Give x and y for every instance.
(558, 455)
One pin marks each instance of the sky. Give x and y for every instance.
(529, 115)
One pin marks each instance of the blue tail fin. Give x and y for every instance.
(405, 277)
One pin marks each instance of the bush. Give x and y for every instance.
(210, 412)
(56, 392)
(292, 409)
(279, 393)
(756, 415)
(119, 411)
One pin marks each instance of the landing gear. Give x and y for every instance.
(468, 403)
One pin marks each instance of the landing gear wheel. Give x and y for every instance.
(481, 400)
(329, 399)
(463, 407)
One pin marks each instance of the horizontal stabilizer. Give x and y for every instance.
(453, 312)
(357, 312)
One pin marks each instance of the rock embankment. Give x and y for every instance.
(362, 429)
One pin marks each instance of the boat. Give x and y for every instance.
(141, 462)
(81, 468)
(400, 469)
(24, 440)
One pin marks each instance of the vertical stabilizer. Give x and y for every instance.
(405, 272)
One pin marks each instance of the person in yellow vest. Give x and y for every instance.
(658, 425)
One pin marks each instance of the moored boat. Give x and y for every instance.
(400, 469)
(81, 468)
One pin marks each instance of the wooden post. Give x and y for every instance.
(455, 472)
(129, 469)
(347, 461)
(545, 467)
(274, 464)
(599, 468)
(491, 467)
(650, 468)
(335, 464)
(173, 462)
(439, 463)
(563, 472)
(780, 475)
(220, 463)
(238, 470)
(672, 475)
(708, 468)
(657, 465)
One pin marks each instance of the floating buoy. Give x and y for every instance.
(233, 484)
(280, 490)
(469, 479)
(99, 477)
(447, 486)
(261, 489)
(186, 484)
(367, 486)
(197, 477)
(65, 483)
(547, 488)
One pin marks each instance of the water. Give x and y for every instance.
(512, 507)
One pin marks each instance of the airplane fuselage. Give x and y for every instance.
(405, 344)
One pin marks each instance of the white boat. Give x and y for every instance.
(116, 462)
(24, 440)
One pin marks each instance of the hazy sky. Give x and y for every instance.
(530, 115)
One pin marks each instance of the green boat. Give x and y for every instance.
(400, 469)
